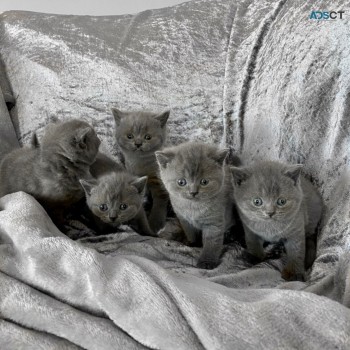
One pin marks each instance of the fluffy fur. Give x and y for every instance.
(101, 166)
(276, 203)
(52, 171)
(198, 182)
(104, 165)
(139, 135)
(115, 199)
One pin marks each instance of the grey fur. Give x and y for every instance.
(52, 171)
(101, 166)
(205, 210)
(104, 165)
(140, 160)
(293, 223)
(113, 190)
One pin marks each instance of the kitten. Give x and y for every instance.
(52, 171)
(139, 135)
(276, 203)
(101, 166)
(199, 185)
(117, 198)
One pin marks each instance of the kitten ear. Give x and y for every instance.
(88, 186)
(163, 118)
(163, 158)
(118, 115)
(221, 155)
(239, 175)
(81, 136)
(294, 171)
(140, 184)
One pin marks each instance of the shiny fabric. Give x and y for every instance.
(258, 76)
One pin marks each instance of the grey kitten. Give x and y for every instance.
(276, 203)
(199, 185)
(139, 135)
(101, 166)
(52, 171)
(117, 198)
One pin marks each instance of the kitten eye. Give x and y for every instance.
(130, 136)
(257, 202)
(181, 182)
(103, 207)
(204, 182)
(148, 137)
(123, 206)
(281, 202)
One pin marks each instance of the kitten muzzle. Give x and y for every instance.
(270, 214)
(113, 217)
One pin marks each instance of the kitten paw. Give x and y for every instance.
(172, 231)
(274, 250)
(207, 265)
(290, 275)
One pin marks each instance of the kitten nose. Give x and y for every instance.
(270, 213)
(113, 218)
(193, 194)
(138, 144)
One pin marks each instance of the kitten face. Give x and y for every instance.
(140, 132)
(115, 198)
(268, 192)
(193, 171)
(75, 140)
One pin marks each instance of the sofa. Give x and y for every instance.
(260, 77)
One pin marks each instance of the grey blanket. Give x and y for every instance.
(260, 77)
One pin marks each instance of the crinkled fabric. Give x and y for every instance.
(260, 77)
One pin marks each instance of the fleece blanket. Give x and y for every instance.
(260, 77)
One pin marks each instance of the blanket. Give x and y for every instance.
(260, 77)
(57, 293)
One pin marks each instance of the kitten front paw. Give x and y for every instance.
(172, 231)
(274, 250)
(207, 265)
(290, 274)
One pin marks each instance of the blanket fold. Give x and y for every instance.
(5, 86)
(8, 136)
